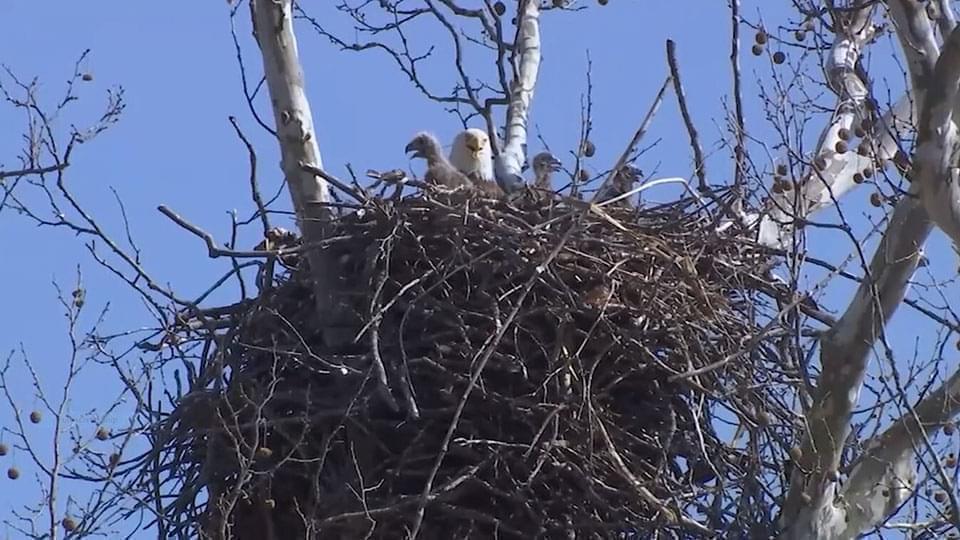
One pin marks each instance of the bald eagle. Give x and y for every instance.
(544, 165)
(620, 184)
(472, 155)
(439, 170)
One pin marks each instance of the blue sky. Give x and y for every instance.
(175, 146)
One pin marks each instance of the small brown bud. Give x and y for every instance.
(876, 199)
(102, 433)
(13, 473)
(779, 57)
(35, 417)
(760, 38)
(757, 50)
(69, 524)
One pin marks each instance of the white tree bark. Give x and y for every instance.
(508, 165)
(273, 27)
(820, 189)
(936, 148)
(884, 475)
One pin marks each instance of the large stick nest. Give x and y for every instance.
(551, 371)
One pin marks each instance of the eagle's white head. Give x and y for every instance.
(472, 155)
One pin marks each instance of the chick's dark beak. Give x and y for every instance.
(412, 147)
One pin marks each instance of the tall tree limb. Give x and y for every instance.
(273, 27)
(508, 164)
(882, 478)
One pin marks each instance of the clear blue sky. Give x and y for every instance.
(174, 145)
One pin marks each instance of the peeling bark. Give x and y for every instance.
(273, 27)
(885, 475)
(508, 165)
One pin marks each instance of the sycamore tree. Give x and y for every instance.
(847, 94)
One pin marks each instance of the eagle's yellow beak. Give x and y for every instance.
(475, 145)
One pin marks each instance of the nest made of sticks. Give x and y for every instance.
(534, 369)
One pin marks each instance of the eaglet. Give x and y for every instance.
(620, 184)
(439, 171)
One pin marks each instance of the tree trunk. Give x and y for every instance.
(273, 28)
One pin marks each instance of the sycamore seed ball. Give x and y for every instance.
(841, 147)
(876, 199)
(757, 50)
(69, 524)
(761, 37)
(782, 169)
(858, 178)
(779, 57)
(87, 77)
(3, 449)
(103, 433)
(589, 149)
(940, 496)
(800, 35)
(13, 473)
(35, 417)
(844, 134)
(499, 8)
(949, 428)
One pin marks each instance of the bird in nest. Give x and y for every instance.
(621, 183)
(472, 155)
(544, 165)
(439, 170)
(471, 150)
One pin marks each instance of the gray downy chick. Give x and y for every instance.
(439, 171)
(623, 182)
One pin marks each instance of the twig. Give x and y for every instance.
(691, 130)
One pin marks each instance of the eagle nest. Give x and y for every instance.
(525, 369)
